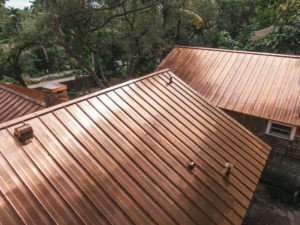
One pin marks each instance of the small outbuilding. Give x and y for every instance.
(17, 101)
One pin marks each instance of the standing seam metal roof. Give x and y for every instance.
(16, 101)
(264, 85)
(120, 156)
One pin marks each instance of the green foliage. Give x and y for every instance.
(233, 15)
(73, 94)
(226, 41)
(119, 38)
(4, 66)
(28, 45)
(286, 34)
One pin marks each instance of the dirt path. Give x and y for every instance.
(52, 75)
(51, 81)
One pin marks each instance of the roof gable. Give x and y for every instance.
(17, 101)
(258, 84)
(120, 156)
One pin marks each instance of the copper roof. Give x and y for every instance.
(32, 93)
(17, 101)
(120, 156)
(259, 84)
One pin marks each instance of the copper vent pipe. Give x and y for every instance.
(227, 169)
(191, 165)
(170, 80)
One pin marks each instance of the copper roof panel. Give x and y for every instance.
(259, 84)
(120, 156)
(16, 101)
(33, 93)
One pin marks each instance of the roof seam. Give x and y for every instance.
(177, 138)
(163, 148)
(204, 172)
(117, 162)
(23, 182)
(146, 101)
(190, 120)
(146, 158)
(228, 130)
(219, 110)
(93, 206)
(95, 160)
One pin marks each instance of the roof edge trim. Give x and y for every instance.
(261, 117)
(239, 51)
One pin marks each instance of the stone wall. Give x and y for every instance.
(283, 166)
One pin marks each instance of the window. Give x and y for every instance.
(281, 130)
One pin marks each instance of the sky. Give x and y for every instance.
(18, 3)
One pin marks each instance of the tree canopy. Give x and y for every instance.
(130, 37)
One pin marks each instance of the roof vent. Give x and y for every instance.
(24, 133)
(227, 169)
(191, 165)
(170, 80)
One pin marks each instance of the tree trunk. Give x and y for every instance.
(14, 63)
(100, 68)
(131, 63)
(18, 74)
(61, 41)
(80, 61)
(165, 11)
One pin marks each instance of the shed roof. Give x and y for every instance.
(120, 156)
(17, 101)
(264, 85)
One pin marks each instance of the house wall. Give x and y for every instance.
(283, 165)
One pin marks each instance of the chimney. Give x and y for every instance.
(55, 94)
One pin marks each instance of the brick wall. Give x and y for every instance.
(283, 166)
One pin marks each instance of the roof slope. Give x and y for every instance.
(17, 101)
(33, 93)
(258, 84)
(120, 156)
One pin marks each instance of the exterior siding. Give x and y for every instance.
(283, 165)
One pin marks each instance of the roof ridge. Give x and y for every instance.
(240, 51)
(52, 108)
(23, 95)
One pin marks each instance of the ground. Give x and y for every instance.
(265, 209)
(57, 75)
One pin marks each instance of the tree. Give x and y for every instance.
(22, 31)
(286, 33)
(126, 37)
(80, 28)
(77, 24)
